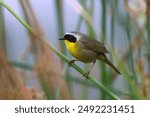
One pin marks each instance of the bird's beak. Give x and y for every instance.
(61, 39)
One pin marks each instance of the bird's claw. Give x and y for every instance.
(86, 74)
(71, 62)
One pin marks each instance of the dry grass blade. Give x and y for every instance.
(2, 31)
(47, 65)
(11, 86)
(148, 8)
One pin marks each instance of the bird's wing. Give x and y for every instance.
(93, 45)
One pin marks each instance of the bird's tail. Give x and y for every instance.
(104, 59)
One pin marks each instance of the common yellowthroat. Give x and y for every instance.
(86, 50)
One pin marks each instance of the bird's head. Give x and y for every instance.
(72, 37)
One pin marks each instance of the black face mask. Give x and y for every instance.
(70, 38)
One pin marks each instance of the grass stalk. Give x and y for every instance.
(91, 32)
(83, 12)
(83, 3)
(148, 35)
(131, 62)
(129, 78)
(60, 26)
(112, 33)
(103, 37)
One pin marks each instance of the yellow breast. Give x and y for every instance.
(73, 49)
(77, 51)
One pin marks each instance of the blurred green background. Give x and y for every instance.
(121, 25)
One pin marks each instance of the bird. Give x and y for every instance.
(86, 49)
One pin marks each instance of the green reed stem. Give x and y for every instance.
(103, 37)
(60, 26)
(148, 44)
(131, 62)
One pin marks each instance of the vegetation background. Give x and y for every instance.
(33, 63)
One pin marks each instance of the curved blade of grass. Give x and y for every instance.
(62, 56)
(81, 11)
(59, 13)
(82, 2)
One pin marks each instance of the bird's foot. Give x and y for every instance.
(71, 62)
(86, 74)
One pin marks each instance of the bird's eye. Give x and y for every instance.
(70, 38)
